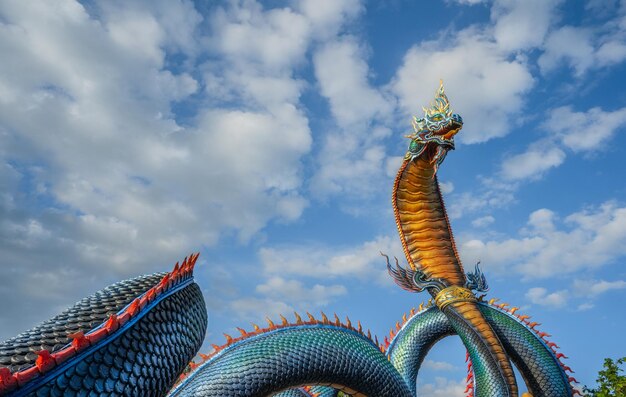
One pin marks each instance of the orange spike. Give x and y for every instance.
(204, 356)
(311, 318)
(256, 327)
(325, 319)
(79, 341)
(360, 329)
(192, 263)
(513, 310)
(412, 312)
(270, 323)
(242, 331)
(348, 322)
(298, 318)
(216, 347)
(369, 334)
(7, 379)
(398, 326)
(133, 308)
(337, 321)
(421, 306)
(493, 300)
(44, 361)
(176, 267)
(533, 324)
(523, 317)
(404, 317)
(229, 339)
(112, 324)
(284, 320)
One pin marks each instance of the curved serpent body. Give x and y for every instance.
(148, 329)
(293, 356)
(430, 249)
(537, 362)
(136, 337)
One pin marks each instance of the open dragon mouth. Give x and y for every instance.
(433, 134)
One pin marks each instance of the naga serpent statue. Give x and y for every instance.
(138, 337)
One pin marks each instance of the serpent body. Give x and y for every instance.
(136, 337)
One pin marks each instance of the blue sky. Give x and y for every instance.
(266, 135)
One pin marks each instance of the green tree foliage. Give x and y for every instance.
(611, 382)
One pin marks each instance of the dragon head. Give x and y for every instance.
(433, 135)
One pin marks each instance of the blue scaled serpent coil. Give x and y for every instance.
(139, 337)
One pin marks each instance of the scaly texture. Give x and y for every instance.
(540, 367)
(136, 337)
(18, 352)
(293, 356)
(149, 329)
(430, 249)
(423, 224)
(145, 360)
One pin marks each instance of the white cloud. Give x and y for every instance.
(568, 45)
(494, 193)
(275, 292)
(257, 309)
(121, 185)
(483, 221)
(497, 255)
(583, 48)
(587, 289)
(271, 39)
(468, 2)
(588, 239)
(522, 25)
(472, 67)
(342, 74)
(540, 296)
(611, 52)
(328, 16)
(592, 288)
(532, 163)
(359, 262)
(442, 388)
(296, 291)
(352, 154)
(437, 365)
(584, 131)
(446, 187)
(393, 165)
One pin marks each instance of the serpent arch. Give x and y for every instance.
(138, 337)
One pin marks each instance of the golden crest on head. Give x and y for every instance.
(441, 104)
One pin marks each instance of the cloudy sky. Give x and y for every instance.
(266, 135)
